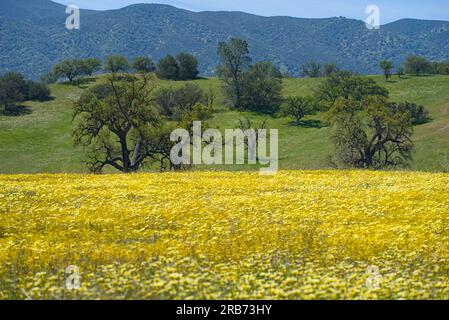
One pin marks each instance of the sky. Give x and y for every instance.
(390, 10)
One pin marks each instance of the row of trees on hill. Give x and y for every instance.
(317, 70)
(414, 65)
(182, 67)
(420, 65)
(14, 89)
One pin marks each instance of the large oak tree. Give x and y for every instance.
(116, 123)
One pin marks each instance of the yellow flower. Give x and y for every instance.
(219, 235)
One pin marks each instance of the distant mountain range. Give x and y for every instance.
(33, 37)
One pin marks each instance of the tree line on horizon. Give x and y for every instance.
(182, 67)
(413, 65)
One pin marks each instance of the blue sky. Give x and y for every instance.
(391, 10)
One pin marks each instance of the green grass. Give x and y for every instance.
(41, 141)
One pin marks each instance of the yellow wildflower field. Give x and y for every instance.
(218, 235)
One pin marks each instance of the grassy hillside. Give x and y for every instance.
(41, 140)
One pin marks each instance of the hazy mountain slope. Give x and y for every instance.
(33, 10)
(32, 44)
(30, 9)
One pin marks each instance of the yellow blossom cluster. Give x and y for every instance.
(223, 235)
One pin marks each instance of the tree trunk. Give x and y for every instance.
(136, 155)
(125, 154)
(7, 107)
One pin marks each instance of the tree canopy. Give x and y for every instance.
(255, 87)
(387, 68)
(262, 89)
(344, 84)
(311, 69)
(15, 89)
(235, 61)
(417, 65)
(182, 67)
(188, 66)
(168, 68)
(298, 107)
(116, 64)
(12, 89)
(69, 69)
(114, 127)
(143, 64)
(373, 135)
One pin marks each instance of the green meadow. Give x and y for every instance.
(40, 140)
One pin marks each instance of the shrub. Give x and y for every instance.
(143, 64)
(37, 91)
(188, 66)
(418, 113)
(299, 107)
(116, 64)
(417, 65)
(168, 68)
(262, 89)
(174, 103)
(102, 91)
